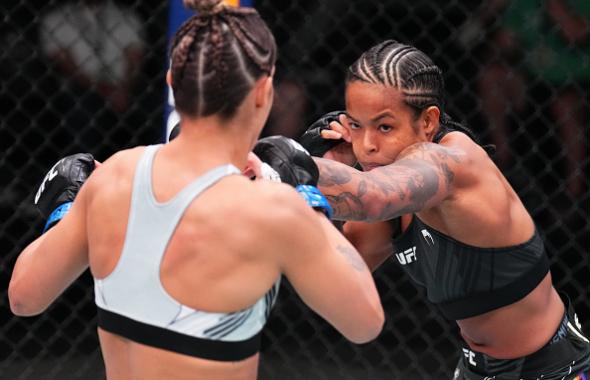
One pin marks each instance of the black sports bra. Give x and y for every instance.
(463, 280)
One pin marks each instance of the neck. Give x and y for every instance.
(210, 141)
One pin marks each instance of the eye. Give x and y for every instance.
(354, 125)
(385, 128)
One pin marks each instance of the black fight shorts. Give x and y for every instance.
(565, 357)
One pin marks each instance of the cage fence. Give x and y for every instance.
(502, 79)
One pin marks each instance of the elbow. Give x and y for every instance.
(376, 325)
(20, 305)
(16, 305)
(371, 328)
(377, 208)
(19, 309)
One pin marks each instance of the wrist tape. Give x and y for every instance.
(57, 215)
(314, 197)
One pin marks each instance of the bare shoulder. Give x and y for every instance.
(460, 142)
(453, 149)
(465, 158)
(280, 203)
(122, 159)
(115, 171)
(274, 211)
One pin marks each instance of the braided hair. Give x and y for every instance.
(412, 72)
(217, 56)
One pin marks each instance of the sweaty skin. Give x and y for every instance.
(453, 186)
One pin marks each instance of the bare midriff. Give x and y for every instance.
(519, 329)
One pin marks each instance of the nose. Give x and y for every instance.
(370, 142)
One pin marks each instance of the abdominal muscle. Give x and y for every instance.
(519, 329)
(127, 360)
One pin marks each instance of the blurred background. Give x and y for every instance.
(88, 76)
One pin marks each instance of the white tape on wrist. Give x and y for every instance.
(269, 173)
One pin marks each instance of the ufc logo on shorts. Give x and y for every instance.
(408, 256)
(48, 177)
(470, 356)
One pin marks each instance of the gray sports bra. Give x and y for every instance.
(133, 303)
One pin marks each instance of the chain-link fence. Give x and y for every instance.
(520, 83)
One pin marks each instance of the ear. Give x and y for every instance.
(169, 78)
(264, 91)
(430, 121)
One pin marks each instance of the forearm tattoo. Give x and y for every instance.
(352, 257)
(421, 177)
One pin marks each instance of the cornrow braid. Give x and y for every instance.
(255, 48)
(217, 47)
(390, 66)
(217, 56)
(412, 72)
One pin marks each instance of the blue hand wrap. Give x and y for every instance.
(57, 214)
(315, 199)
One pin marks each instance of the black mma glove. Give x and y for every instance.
(295, 166)
(312, 139)
(61, 185)
(289, 159)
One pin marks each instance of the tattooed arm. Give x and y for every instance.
(423, 176)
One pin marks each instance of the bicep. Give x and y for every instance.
(313, 263)
(330, 276)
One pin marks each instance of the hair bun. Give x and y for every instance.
(205, 7)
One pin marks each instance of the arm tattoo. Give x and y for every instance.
(352, 257)
(422, 177)
(331, 175)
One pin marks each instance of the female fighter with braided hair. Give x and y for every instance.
(186, 268)
(430, 197)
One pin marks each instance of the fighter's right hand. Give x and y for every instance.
(329, 137)
(61, 185)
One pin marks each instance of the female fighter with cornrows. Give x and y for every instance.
(430, 197)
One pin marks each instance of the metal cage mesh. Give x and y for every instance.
(538, 120)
